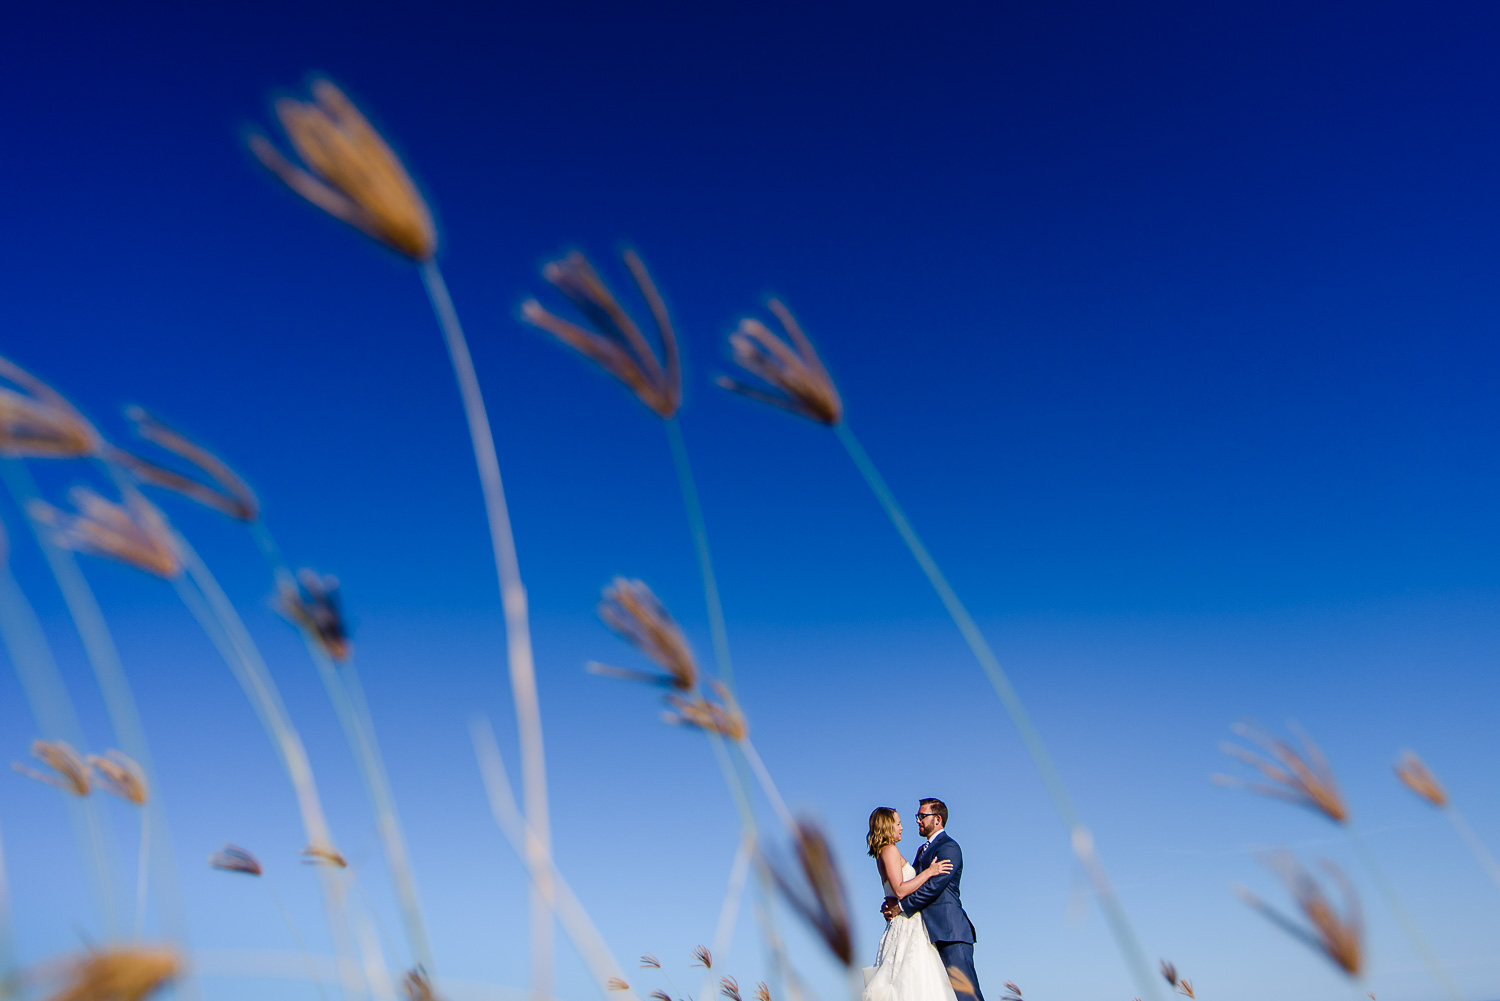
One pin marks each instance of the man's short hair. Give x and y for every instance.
(938, 807)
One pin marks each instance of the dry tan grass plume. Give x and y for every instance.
(350, 171)
(722, 716)
(313, 604)
(121, 776)
(134, 532)
(827, 908)
(1301, 777)
(616, 343)
(38, 422)
(70, 772)
(1411, 770)
(232, 858)
(634, 612)
(123, 974)
(228, 493)
(802, 384)
(1338, 937)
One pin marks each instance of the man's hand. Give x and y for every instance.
(890, 908)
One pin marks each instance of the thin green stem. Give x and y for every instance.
(359, 732)
(1477, 847)
(348, 700)
(513, 825)
(517, 628)
(8, 968)
(767, 785)
(96, 838)
(1114, 913)
(724, 930)
(143, 854)
(119, 702)
(699, 530)
(782, 974)
(47, 696)
(1403, 917)
(206, 601)
(291, 926)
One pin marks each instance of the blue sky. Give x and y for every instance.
(1171, 328)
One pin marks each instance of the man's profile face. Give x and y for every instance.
(927, 821)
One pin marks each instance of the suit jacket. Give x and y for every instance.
(937, 898)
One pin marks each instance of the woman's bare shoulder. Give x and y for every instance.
(890, 851)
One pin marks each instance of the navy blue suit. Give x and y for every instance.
(948, 927)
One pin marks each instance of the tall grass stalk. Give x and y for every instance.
(724, 929)
(767, 784)
(512, 824)
(1062, 801)
(211, 608)
(1475, 846)
(47, 696)
(143, 854)
(699, 529)
(347, 697)
(1403, 917)
(291, 926)
(119, 701)
(517, 630)
(781, 970)
(724, 670)
(7, 931)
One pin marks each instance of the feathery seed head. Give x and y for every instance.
(134, 532)
(633, 611)
(226, 493)
(349, 171)
(313, 604)
(1338, 937)
(616, 984)
(722, 717)
(1301, 777)
(659, 995)
(729, 988)
(323, 855)
(702, 957)
(418, 985)
(1012, 992)
(38, 422)
(232, 858)
(70, 772)
(960, 982)
(650, 962)
(616, 343)
(121, 974)
(1411, 770)
(801, 383)
(121, 776)
(762, 992)
(827, 910)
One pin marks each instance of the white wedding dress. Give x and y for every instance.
(907, 967)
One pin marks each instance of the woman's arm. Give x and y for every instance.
(890, 861)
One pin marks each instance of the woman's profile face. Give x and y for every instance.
(898, 827)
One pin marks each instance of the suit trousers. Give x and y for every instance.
(961, 955)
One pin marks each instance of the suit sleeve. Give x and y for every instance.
(933, 888)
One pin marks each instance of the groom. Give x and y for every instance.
(948, 927)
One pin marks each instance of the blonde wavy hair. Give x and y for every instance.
(882, 830)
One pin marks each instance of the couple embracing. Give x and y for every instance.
(928, 933)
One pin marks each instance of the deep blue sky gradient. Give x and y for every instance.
(1172, 328)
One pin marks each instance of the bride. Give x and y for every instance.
(907, 967)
